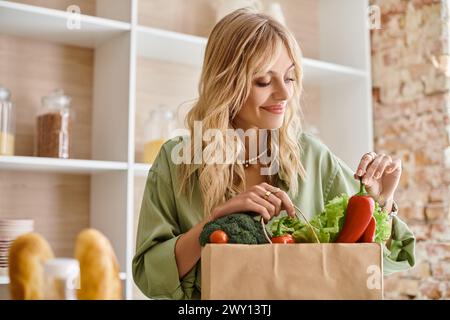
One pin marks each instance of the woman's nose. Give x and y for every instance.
(281, 92)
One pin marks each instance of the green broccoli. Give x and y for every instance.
(241, 228)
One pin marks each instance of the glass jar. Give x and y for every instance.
(7, 123)
(61, 279)
(159, 126)
(53, 126)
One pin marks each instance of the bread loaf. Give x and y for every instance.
(99, 269)
(27, 256)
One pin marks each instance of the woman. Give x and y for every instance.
(251, 80)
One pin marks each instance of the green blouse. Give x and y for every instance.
(164, 217)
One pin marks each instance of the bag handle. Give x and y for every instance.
(304, 218)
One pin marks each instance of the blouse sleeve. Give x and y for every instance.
(399, 254)
(154, 265)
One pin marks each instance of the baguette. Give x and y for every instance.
(27, 256)
(99, 269)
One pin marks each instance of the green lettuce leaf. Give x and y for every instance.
(328, 224)
(383, 224)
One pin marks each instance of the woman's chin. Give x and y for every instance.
(272, 125)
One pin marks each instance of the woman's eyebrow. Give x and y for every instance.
(272, 72)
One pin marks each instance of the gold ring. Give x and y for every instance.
(267, 195)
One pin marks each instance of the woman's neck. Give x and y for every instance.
(254, 147)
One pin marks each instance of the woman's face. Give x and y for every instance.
(269, 94)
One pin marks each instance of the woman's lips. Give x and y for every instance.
(276, 109)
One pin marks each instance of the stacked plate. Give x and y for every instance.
(10, 229)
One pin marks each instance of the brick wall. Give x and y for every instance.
(411, 96)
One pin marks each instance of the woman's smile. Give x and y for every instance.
(278, 109)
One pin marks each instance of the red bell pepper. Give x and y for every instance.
(369, 235)
(358, 216)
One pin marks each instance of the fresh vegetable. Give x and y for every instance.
(369, 233)
(382, 224)
(284, 239)
(285, 225)
(240, 227)
(328, 223)
(218, 236)
(358, 215)
(282, 236)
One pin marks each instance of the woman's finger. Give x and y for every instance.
(273, 199)
(367, 178)
(255, 207)
(266, 204)
(364, 163)
(278, 203)
(262, 192)
(286, 201)
(382, 167)
(395, 165)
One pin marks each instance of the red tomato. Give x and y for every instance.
(218, 236)
(284, 239)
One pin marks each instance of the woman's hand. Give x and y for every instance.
(380, 175)
(263, 199)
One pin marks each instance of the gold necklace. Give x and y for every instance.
(248, 162)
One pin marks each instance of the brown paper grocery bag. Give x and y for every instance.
(292, 271)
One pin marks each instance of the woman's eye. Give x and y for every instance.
(266, 84)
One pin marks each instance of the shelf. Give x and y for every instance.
(187, 49)
(49, 24)
(59, 165)
(141, 169)
(170, 46)
(321, 72)
(5, 279)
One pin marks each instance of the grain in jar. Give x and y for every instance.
(54, 126)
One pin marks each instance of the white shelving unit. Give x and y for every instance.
(21, 20)
(342, 72)
(60, 165)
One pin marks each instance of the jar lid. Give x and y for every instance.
(5, 94)
(58, 98)
(62, 268)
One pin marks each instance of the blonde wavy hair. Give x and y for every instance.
(241, 45)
